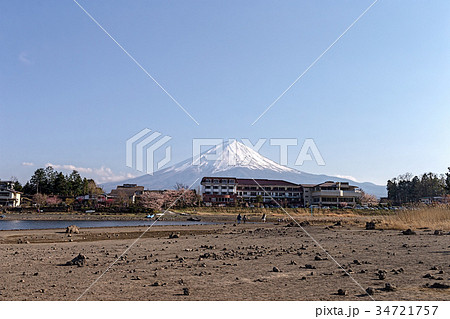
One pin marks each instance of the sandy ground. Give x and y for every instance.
(223, 262)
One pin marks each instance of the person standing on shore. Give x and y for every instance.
(244, 219)
(239, 217)
(263, 218)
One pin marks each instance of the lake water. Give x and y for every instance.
(55, 224)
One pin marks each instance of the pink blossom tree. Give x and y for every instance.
(152, 200)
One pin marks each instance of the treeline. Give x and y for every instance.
(48, 181)
(408, 188)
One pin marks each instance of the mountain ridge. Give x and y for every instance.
(234, 159)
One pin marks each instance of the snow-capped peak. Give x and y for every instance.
(232, 159)
(234, 154)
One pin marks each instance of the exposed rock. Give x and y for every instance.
(307, 266)
(438, 232)
(434, 268)
(174, 235)
(389, 287)
(158, 283)
(342, 292)
(320, 258)
(72, 229)
(382, 275)
(370, 225)
(276, 269)
(260, 280)
(305, 223)
(370, 291)
(186, 291)
(80, 261)
(208, 255)
(408, 232)
(438, 285)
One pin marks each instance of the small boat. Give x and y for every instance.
(194, 219)
(150, 216)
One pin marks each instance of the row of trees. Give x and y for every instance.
(408, 188)
(51, 182)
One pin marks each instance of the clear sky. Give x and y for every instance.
(377, 103)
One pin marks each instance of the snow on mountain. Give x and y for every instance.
(228, 156)
(233, 159)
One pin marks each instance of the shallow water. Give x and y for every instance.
(54, 224)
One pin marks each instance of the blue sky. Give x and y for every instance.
(377, 104)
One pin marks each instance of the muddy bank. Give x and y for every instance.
(225, 262)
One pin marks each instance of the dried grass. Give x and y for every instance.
(429, 217)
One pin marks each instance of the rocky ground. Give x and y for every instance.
(224, 262)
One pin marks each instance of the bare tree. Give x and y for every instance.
(180, 186)
(40, 199)
(368, 199)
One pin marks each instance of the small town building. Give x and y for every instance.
(331, 194)
(8, 196)
(230, 191)
(127, 193)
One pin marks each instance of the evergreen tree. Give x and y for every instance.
(38, 181)
(75, 184)
(60, 185)
(447, 181)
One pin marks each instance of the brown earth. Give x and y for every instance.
(223, 262)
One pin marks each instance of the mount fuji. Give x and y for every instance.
(234, 159)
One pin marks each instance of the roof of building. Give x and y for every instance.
(129, 186)
(264, 182)
(128, 189)
(308, 185)
(331, 184)
(256, 181)
(276, 182)
(217, 177)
